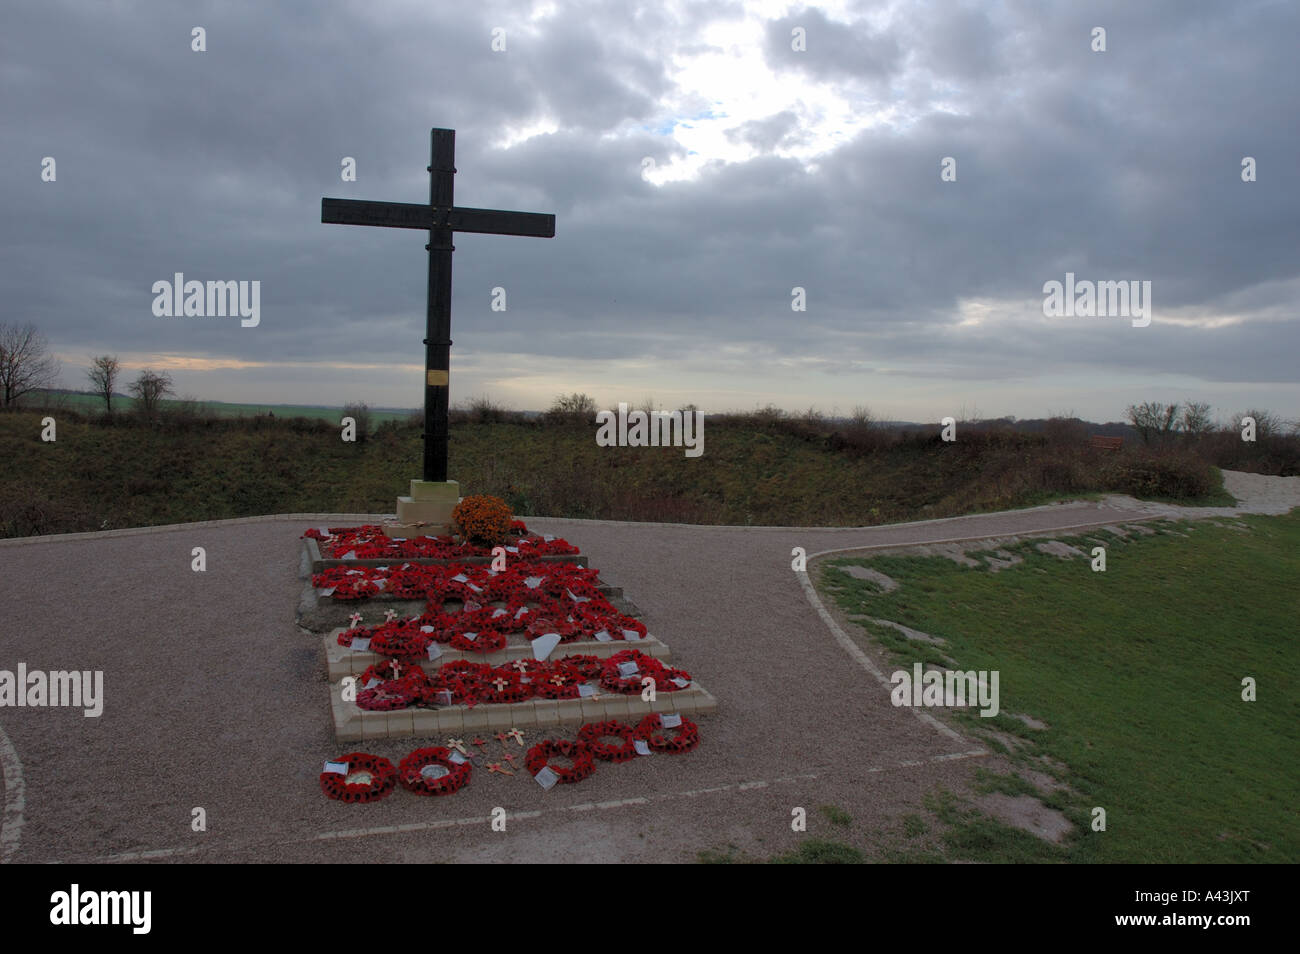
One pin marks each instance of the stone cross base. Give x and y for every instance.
(427, 511)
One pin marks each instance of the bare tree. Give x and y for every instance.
(25, 363)
(1153, 419)
(148, 389)
(103, 375)
(573, 408)
(1196, 418)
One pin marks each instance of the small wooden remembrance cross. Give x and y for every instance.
(441, 218)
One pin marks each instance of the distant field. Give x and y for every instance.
(90, 404)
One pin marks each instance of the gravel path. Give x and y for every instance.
(215, 699)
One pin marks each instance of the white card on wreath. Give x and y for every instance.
(603, 637)
(512, 549)
(426, 629)
(338, 768)
(350, 555)
(641, 747)
(631, 634)
(360, 644)
(680, 682)
(470, 636)
(544, 645)
(547, 537)
(443, 697)
(371, 683)
(323, 531)
(456, 757)
(671, 721)
(523, 611)
(460, 578)
(434, 651)
(628, 669)
(435, 771)
(533, 582)
(586, 691)
(546, 778)
(499, 612)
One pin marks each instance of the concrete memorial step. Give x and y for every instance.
(343, 661)
(354, 724)
(319, 614)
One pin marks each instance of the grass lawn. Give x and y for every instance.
(1137, 672)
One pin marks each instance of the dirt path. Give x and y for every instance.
(214, 699)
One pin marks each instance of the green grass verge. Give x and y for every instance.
(1138, 673)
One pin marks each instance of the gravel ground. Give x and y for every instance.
(215, 699)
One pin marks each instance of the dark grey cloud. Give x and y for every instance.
(1116, 165)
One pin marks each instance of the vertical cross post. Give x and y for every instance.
(437, 340)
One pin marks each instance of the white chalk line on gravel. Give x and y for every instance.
(526, 815)
(11, 823)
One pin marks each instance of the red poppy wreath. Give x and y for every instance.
(686, 738)
(368, 778)
(431, 771)
(539, 756)
(593, 732)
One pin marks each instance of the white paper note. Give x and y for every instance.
(470, 636)
(680, 682)
(435, 771)
(628, 669)
(603, 637)
(456, 757)
(426, 629)
(338, 768)
(360, 644)
(533, 582)
(328, 592)
(671, 721)
(460, 578)
(545, 644)
(546, 778)
(434, 651)
(586, 691)
(350, 555)
(641, 747)
(631, 635)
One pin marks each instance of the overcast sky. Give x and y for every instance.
(773, 167)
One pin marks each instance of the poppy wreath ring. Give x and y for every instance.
(686, 738)
(593, 732)
(383, 776)
(413, 778)
(539, 756)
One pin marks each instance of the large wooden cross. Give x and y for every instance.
(441, 218)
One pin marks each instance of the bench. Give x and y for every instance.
(1105, 443)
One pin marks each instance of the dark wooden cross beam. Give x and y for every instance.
(441, 218)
